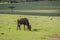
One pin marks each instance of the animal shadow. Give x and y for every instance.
(36, 30)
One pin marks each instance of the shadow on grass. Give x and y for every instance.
(32, 13)
(2, 33)
(36, 30)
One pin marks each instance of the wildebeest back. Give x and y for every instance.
(23, 21)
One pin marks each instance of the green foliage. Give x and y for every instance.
(32, 5)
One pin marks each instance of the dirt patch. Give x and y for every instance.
(53, 36)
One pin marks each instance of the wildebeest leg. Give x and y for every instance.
(24, 27)
(18, 27)
(29, 27)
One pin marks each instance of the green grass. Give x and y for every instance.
(45, 25)
(34, 11)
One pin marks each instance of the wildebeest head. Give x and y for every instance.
(29, 27)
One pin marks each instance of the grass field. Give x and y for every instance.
(43, 27)
(44, 17)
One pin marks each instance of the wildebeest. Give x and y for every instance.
(23, 21)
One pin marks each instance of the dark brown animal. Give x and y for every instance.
(23, 21)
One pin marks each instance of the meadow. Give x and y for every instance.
(44, 17)
(43, 27)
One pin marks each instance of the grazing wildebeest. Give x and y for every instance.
(23, 21)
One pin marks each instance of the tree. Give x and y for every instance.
(11, 7)
(0, 0)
